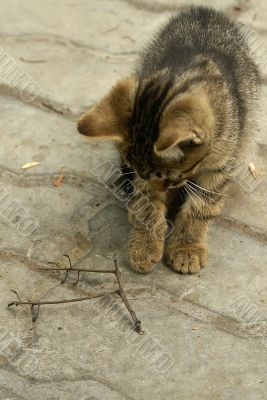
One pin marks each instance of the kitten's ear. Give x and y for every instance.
(189, 119)
(109, 118)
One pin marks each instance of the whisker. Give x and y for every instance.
(195, 190)
(128, 173)
(206, 190)
(191, 197)
(195, 194)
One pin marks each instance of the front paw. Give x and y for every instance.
(187, 259)
(144, 250)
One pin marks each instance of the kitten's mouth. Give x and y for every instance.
(163, 186)
(160, 186)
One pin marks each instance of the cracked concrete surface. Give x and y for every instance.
(206, 334)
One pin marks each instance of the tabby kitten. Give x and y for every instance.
(182, 123)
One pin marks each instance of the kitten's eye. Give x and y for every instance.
(158, 174)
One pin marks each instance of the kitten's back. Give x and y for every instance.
(198, 31)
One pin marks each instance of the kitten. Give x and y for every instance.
(182, 123)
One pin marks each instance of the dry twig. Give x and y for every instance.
(137, 323)
(119, 291)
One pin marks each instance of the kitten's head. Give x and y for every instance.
(163, 133)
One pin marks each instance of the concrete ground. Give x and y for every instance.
(205, 335)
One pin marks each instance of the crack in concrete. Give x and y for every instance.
(242, 228)
(32, 387)
(106, 55)
(19, 179)
(218, 321)
(40, 102)
(46, 103)
(89, 378)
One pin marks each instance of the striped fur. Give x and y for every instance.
(182, 123)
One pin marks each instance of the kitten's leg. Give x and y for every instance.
(187, 248)
(147, 212)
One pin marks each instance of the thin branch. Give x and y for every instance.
(78, 278)
(104, 271)
(40, 303)
(137, 322)
(78, 270)
(119, 291)
(67, 270)
(65, 278)
(68, 257)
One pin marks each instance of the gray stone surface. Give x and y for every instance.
(205, 335)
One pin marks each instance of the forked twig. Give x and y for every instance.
(79, 270)
(119, 291)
